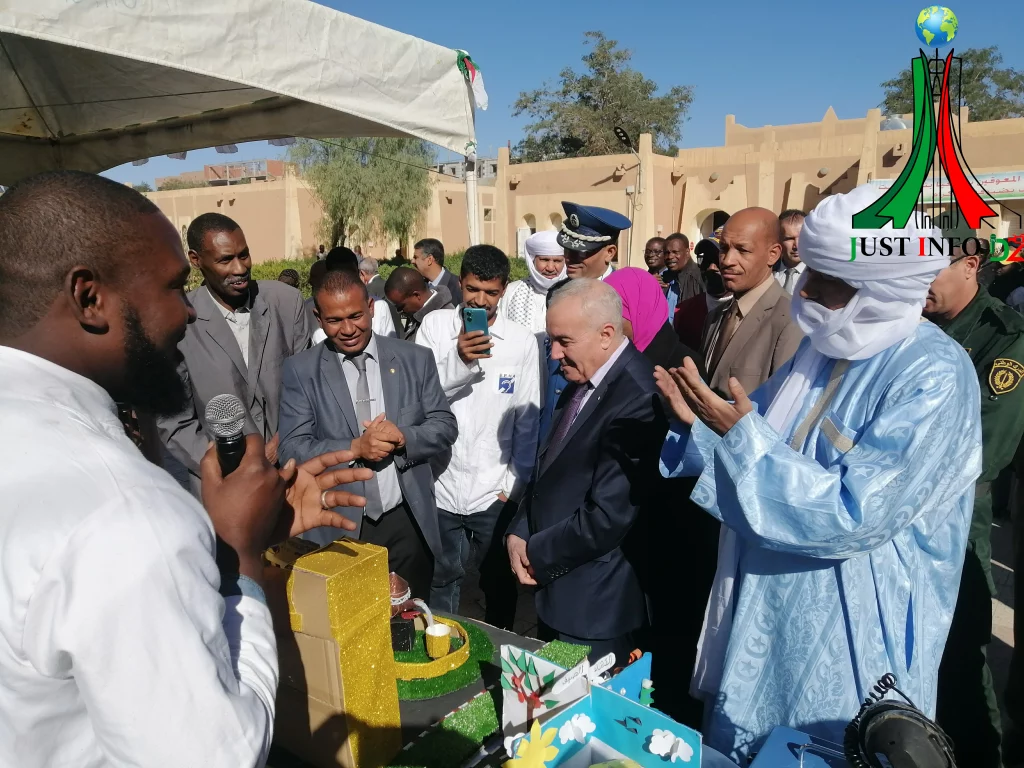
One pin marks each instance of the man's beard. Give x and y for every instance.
(152, 383)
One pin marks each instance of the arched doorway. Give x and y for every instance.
(712, 221)
(556, 220)
(530, 222)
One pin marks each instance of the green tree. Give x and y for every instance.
(142, 186)
(379, 187)
(990, 92)
(576, 117)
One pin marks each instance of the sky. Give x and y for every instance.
(764, 63)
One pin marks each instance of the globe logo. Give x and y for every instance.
(936, 26)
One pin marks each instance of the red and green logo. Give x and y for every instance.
(935, 135)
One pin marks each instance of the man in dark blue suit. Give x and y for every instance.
(580, 534)
(381, 399)
(590, 238)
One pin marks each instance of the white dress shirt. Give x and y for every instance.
(116, 647)
(598, 377)
(387, 475)
(787, 276)
(238, 322)
(381, 324)
(437, 280)
(496, 402)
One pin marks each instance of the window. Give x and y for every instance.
(488, 214)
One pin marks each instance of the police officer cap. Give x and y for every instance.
(588, 228)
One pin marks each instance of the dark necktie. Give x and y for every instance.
(569, 414)
(730, 323)
(373, 504)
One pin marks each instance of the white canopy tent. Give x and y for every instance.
(91, 84)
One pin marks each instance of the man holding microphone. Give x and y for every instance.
(129, 633)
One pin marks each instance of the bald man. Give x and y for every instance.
(414, 298)
(113, 585)
(751, 336)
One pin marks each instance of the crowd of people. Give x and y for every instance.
(767, 463)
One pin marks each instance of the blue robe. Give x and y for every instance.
(850, 551)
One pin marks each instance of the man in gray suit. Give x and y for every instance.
(750, 337)
(380, 398)
(428, 258)
(244, 329)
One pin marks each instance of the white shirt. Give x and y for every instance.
(387, 475)
(238, 322)
(116, 647)
(382, 325)
(789, 274)
(598, 377)
(496, 402)
(437, 280)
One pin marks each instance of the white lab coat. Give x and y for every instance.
(116, 647)
(496, 402)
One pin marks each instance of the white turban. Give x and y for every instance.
(890, 289)
(543, 244)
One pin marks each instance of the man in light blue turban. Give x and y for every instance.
(845, 484)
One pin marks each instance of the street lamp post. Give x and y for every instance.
(623, 137)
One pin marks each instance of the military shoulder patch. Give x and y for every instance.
(1005, 375)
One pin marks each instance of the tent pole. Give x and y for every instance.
(472, 200)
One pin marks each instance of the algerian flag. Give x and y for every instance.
(473, 76)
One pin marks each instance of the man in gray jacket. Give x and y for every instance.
(381, 399)
(244, 330)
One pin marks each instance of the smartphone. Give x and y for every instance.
(475, 319)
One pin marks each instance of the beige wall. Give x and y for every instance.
(777, 167)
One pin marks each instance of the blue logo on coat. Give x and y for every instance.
(507, 383)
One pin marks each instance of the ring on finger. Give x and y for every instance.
(323, 499)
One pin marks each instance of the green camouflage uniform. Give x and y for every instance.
(993, 335)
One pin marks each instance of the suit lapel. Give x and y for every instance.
(212, 323)
(259, 329)
(588, 409)
(749, 325)
(331, 374)
(389, 379)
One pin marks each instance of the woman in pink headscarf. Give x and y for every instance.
(644, 309)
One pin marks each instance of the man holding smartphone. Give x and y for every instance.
(489, 368)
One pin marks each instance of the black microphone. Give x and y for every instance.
(225, 417)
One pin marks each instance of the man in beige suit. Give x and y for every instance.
(751, 336)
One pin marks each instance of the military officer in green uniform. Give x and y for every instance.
(993, 335)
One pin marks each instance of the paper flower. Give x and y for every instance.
(576, 729)
(535, 751)
(670, 747)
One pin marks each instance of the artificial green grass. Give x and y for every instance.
(480, 649)
(456, 738)
(565, 655)
(463, 732)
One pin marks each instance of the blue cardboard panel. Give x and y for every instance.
(627, 683)
(629, 727)
(782, 750)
